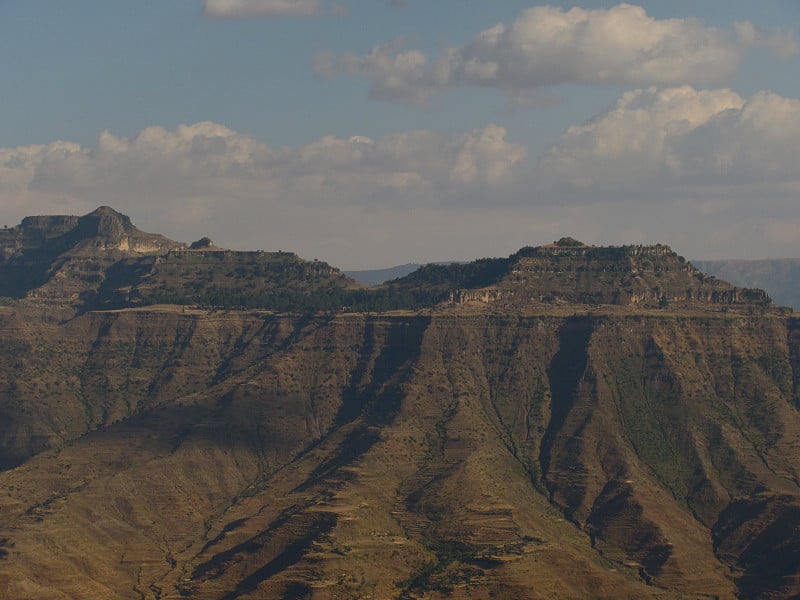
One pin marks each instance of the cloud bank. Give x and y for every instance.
(207, 179)
(546, 46)
(709, 171)
(680, 137)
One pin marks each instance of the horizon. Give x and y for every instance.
(408, 263)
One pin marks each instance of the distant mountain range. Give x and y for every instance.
(378, 276)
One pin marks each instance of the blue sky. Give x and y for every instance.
(374, 133)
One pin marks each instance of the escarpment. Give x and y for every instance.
(648, 276)
(486, 450)
(569, 421)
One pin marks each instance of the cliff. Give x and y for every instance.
(235, 452)
(101, 261)
(569, 421)
(61, 260)
(653, 276)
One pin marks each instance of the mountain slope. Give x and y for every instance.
(569, 421)
(649, 453)
(378, 276)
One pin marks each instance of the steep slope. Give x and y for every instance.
(63, 259)
(569, 421)
(69, 264)
(570, 272)
(226, 279)
(606, 455)
(101, 261)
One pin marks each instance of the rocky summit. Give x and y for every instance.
(567, 422)
(63, 259)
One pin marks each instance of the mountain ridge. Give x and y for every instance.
(569, 421)
(101, 261)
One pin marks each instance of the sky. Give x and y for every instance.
(369, 133)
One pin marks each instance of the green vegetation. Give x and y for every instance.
(455, 563)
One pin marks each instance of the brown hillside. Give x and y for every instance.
(359, 456)
(568, 422)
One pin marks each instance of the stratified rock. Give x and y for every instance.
(63, 260)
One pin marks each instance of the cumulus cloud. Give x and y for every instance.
(234, 9)
(782, 43)
(395, 75)
(709, 171)
(202, 174)
(547, 46)
(680, 137)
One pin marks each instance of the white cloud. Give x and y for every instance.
(782, 43)
(546, 46)
(234, 9)
(206, 178)
(680, 137)
(708, 171)
(401, 76)
(207, 156)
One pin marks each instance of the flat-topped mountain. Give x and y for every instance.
(101, 260)
(102, 229)
(570, 272)
(62, 259)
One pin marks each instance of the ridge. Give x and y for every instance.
(101, 260)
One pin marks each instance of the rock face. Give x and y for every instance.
(625, 275)
(526, 434)
(68, 265)
(62, 260)
(101, 260)
(570, 272)
(203, 242)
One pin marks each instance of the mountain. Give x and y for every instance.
(569, 421)
(63, 259)
(378, 276)
(780, 277)
(69, 264)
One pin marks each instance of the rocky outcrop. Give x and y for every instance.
(481, 295)
(106, 229)
(647, 276)
(203, 242)
(62, 260)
